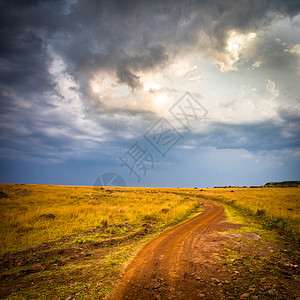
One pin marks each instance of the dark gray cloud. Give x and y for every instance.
(23, 38)
(124, 36)
(155, 56)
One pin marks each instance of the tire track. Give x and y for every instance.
(163, 268)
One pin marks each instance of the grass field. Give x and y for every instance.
(278, 207)
(25, 211)
(77, 241)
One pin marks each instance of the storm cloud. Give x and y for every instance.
(77, 77)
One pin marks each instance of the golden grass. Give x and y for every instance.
(77, 209)
(271, 203)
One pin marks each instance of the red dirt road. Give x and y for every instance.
(167, 267)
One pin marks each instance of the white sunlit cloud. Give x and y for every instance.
(151, 96)
(296, 51)
(239, 45)
(249, 106)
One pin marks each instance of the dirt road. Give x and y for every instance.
(167, 267)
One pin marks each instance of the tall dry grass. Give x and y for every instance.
(271, 203)
(76, 209)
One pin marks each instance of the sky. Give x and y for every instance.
(150, 93)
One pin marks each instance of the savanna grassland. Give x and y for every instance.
(34, 214)
(275, 208)
(58, 241)
(74, 242)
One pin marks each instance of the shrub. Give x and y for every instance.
(260, 212)
(104, 223)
